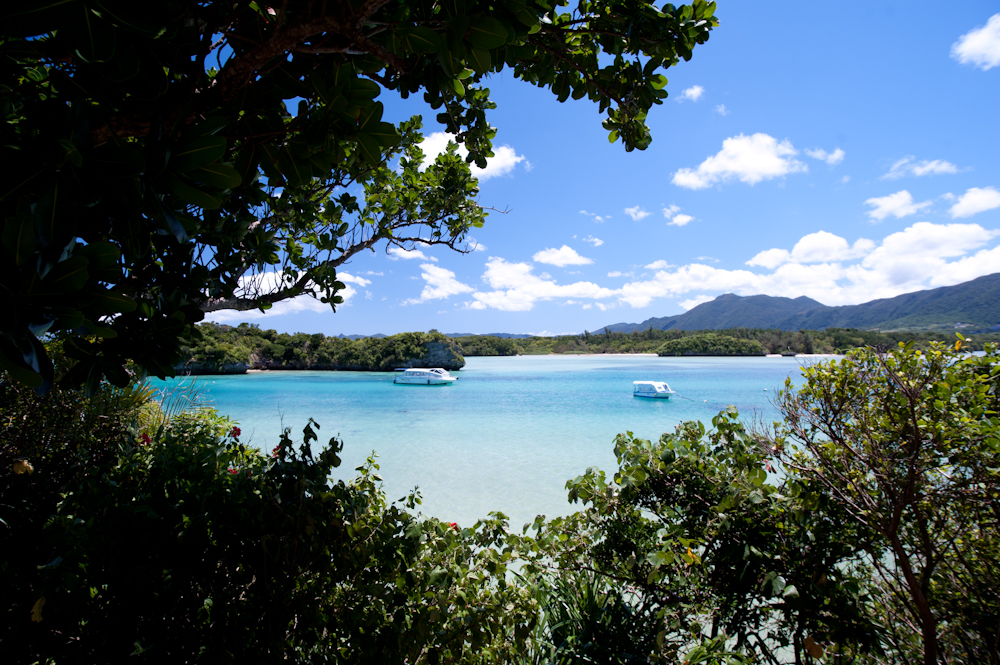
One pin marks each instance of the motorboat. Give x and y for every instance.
(424, 376)
(651, 389)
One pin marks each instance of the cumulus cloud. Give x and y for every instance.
(596, 242)
(749, 159)
(440, 283)
(820, 265)
(680, 220)
(975, 200)
(562, 257)
(908, 166)
(636, 213)
(819, 247)
(831, 158)
(475, 245)
(691, 303)
(396, 253)
(721, 109)
(693, 93)
(924, 255)
(503, 161)
(980, 47)
(670, 211)
(516, 289)
(898, 205)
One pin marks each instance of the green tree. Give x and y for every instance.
(161, 173)
(907, 443)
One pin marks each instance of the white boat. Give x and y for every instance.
(430, 376)
(651, 389)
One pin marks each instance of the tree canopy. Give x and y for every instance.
(181, 157)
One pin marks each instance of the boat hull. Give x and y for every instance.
(423, 382)
(652, 396)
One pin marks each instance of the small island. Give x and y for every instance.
(224, 349)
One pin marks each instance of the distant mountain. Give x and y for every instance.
(503, 335)
(357, 337)
(974, 304)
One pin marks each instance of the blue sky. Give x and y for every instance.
(842, 151)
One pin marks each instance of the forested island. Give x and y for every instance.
(223, 349)
(731, 342)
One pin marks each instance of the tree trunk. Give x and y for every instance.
(928, 622)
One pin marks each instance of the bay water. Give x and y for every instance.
(508, 434)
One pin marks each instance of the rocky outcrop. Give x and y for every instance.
(438, 354)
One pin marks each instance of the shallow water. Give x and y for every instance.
(509, 433)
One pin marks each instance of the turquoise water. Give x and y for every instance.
(508, 434)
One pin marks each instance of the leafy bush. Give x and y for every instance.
(711, 344)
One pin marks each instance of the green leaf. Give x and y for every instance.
(113, 302)
(486, 32)
(197, 153)
(479, 59)
(67, 276)
(659, 82)
(218, 176)
(19, 238)
(386, 135)
(369, 149)
(370, 117)
(195, 196)
(91, 37)
(423, 40)
(100, 254)
(117, 162)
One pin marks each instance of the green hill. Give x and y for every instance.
(973, 305)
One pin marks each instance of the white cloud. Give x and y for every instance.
(372, 272)
(597, 218)
(721, 109)
(846, 179)
(680, 220)
(502, 162)
(826, 268)
(475, 245)
(819, 247)
(562, 257)
(636, 213)
(749, 159)
(596, 242)
(671, 210)
(831, 158)
(898, 205)
(440, 283)
(516, 289)
(348, 278)
(691, 303)
(980, 47)
(269, 282)
(693, 93)
(975, 200)
(908, 166)
(396, 253)
(615, 273)
(820, 265)
(708, 258)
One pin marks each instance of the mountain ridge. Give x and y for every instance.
(972, 304)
